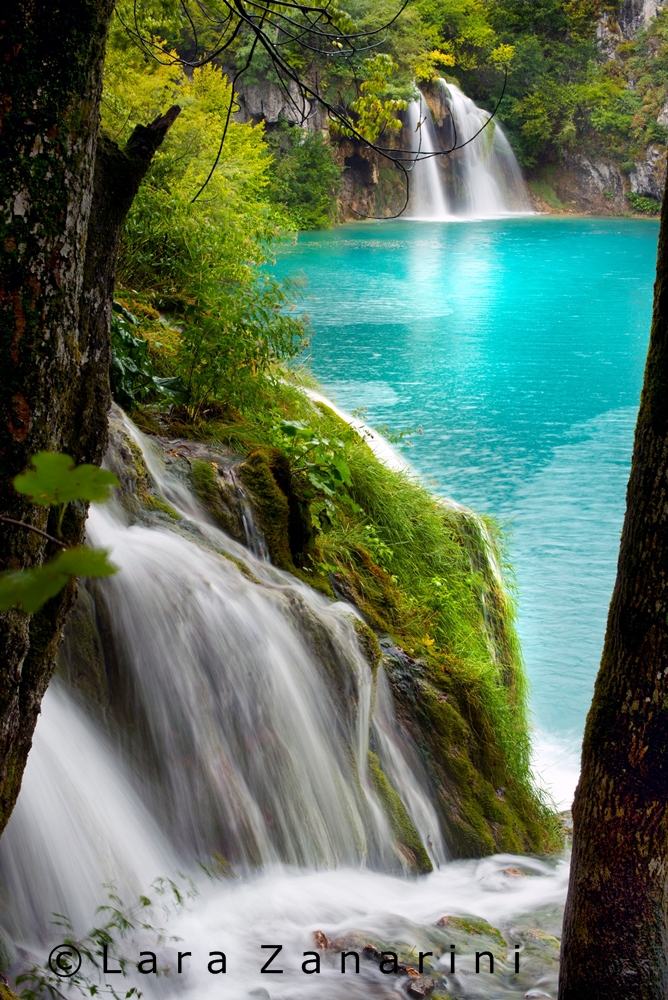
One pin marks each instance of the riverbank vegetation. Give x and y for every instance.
(421, 572)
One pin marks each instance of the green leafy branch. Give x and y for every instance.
(319, 461)
(54, 481)
(374, 111)
(121, 922)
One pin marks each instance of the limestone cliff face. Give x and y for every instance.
(636, 14)
(596, 185)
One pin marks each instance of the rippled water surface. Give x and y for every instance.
(518, 346)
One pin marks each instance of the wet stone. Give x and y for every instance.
(423, 986)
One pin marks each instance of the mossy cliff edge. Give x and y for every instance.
(423, 576)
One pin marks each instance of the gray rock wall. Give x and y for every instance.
(636, 14)
(649, 176)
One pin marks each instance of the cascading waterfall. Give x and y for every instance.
(427, 197)
(78, 823)
(483, 179)
(250, 699)
(489, 178)
(249, 709)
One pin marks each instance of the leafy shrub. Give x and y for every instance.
(200, 258)
(647, 206)
(304, 178)
(132, 373)
(54, 481)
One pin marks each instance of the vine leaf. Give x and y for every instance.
(55, 479)
(32, 588)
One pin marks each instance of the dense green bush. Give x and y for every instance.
(133, 374)
(647, 206)
(304, 177)
(199, 258)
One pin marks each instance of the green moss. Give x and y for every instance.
(148, 498)
(546, 193)
(203, 476)
(270, 503)
(369, 644)
(408, 840)
(473, 926)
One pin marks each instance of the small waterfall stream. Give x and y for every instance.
(427, 197)
(248, 707)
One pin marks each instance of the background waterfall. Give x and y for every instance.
(480, 179)
(488, 174)
(427, 197)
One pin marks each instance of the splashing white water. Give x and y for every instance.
(77, 823)
(488, 176)
(427, 196)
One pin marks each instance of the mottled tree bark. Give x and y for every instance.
(615, 941)
(64, 199)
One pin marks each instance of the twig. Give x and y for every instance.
(31, 527)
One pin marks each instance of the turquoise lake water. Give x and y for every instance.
(518, 345)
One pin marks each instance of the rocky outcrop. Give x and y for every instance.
(634, 15)
(608, 36)
(584, 185)
(359, 180)
(265, 101)
(439, 711)
(649, 176)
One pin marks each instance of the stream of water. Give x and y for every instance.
(247, 706)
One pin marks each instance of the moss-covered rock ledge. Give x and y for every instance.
(423, 576)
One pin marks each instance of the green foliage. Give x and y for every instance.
(121, 924)
(201, 262)
(31, 588)
(561, 93)
(646, 206)
(463, 27)
(418, 571)
(133, 374)
(317, 460)
(304, 178)
(375, 111)
(54, 481)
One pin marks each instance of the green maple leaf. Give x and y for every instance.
(55, 479)
(31, 588)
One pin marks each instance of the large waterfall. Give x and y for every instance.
(482, 178)
(248, 708)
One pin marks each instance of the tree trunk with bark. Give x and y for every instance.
(66, 193)
(615, 941)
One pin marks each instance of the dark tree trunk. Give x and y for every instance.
(615, 941)
(65, 197)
